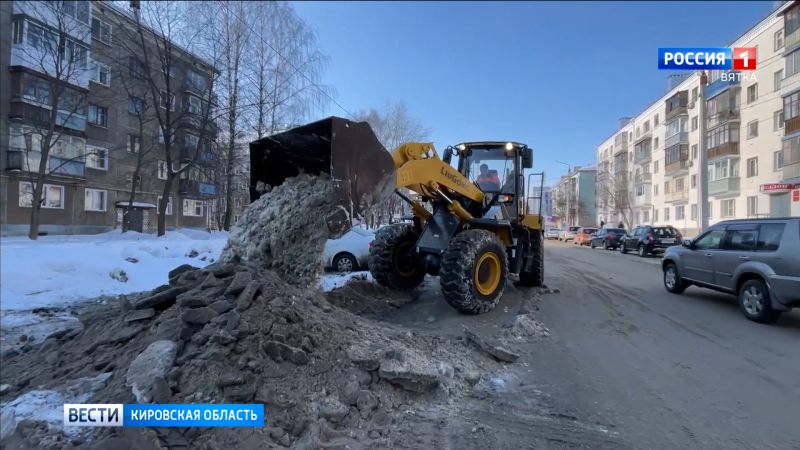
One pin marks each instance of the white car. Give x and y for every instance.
(350, 252)
(552, 233)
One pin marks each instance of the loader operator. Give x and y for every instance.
(488, 179)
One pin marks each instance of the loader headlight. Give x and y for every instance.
(461, 147)
(509, 146)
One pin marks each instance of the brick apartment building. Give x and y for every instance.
(87, 189)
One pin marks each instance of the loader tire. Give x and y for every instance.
(391, 261)
(535, 275)
(474, 270)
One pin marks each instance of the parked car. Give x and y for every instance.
(584, 235)
(552, 233)
(567, 234)
(756, 259)
(647, 239)
(608, 238)
(349, 252)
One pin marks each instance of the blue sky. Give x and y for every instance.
(556, 75)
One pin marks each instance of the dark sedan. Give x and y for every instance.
(646, 240)
(608, 238)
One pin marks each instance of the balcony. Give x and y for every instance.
(643, 136)
(620, 168)
(642, 157)
(721, 117)
(15, 160)
(645, 177)
(676, 105)
(67, 167)
(723, 186)
(726, 149)
(677, 168)
(642, 200)
(791, 160)
(677, 138)
(20, 160)
(791, 40)
(193, 187)
(721, 85)
(195, 122)
(677, 196)
(791, 125)
(620, 148)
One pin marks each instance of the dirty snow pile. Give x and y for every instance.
(285, 230)
(56, 270)
(247, 330)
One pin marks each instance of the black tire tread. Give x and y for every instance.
(381, 257)
(455, 276)
(535, 277)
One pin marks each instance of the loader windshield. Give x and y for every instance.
(491, 168)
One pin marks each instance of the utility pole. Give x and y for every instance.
(569, 186)
(702, 185)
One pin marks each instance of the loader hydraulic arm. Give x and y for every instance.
(420, 169)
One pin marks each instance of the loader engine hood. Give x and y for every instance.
(361, 169)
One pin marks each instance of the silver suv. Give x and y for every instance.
(756, 259)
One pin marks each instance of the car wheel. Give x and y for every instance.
(605, 245)
(345, 263)
(755, 303)
(672, 279)
(622, 248)
(592, 244)
(642, 251)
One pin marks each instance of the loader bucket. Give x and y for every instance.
(362, 170)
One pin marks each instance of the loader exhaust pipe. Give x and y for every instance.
(362, 171)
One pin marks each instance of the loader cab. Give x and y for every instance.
(497, 169)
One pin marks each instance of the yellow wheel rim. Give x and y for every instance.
(487, 273)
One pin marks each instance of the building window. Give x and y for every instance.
(16, 31)
(655, 166)
(791, 63)
(655, 215)
(655, 143)
(101, 74)
(52, 195)
(134, 143)
(709, 209)
(167, 100)
(666, 187)
(655, 121)
(193, 208)
(101, 31)
(96, 157)
(752, 129)
(655, 190)
(162, 170)
(752, 167)
(791, 106)
(666, 213)
(694, 94)
(679, 185)
(679, 213)
(724, 168)
(752, 206)
(98, 115)
(78, 10)
(777, 160)
(191, 141)
(693, 181)
(693, 212)
(95, 200)
(777, 120)
(168, 211)
(135, 105)
(776, 80)
(135, 68)
(727, 208)
(752, 93)
(778, 39)
(194, 105)
(694, 123)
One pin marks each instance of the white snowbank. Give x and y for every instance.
(57, 270)
(334, 281)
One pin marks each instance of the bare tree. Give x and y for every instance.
(284, 66)
(615, 196)
(393, 126)
(57, 50)
(154, 59)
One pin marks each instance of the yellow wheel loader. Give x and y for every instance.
(476, 230)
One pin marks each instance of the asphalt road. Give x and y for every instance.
(658, 370)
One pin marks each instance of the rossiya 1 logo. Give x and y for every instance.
(711, 58)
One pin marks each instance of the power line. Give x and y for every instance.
(313, 83)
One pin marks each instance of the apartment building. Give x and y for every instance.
(784, 195)
(104, 128)
(573, 198)
(649, 169)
